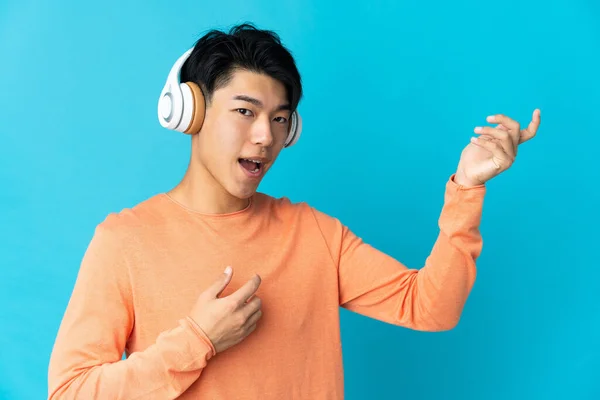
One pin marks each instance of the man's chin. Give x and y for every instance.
(244, 191)
(246, 188)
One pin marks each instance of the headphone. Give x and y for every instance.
(181, 106)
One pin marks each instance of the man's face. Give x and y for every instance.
(247, 119)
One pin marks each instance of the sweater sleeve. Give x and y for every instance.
(86, 360)
(431, 298)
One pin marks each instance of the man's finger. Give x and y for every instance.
(245, 292)
(503, 137)
(512, 126)
(253, 319)
(500, 159)
(252, 306)
(531, 130)
(508, 122)
(221, 283)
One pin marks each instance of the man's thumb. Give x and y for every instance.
(222, 282)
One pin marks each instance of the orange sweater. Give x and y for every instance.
(146, 266)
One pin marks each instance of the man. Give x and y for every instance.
(216, 291)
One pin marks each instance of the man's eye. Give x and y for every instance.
(244, 111)
(282, 120)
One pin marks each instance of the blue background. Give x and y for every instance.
(393, 92)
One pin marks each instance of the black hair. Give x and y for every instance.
(217, 54)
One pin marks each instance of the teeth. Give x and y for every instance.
(258, 162)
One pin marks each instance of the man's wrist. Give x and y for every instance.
(461, 180)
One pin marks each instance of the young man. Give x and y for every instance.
(216, 291)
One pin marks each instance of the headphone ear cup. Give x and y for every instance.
(198, 110)
(295, 129)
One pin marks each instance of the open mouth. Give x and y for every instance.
(253, 167)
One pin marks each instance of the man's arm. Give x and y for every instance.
(431, 298)
(86, 361)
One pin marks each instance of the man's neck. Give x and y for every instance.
(200, 192)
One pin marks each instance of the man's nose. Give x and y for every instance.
(262, 132)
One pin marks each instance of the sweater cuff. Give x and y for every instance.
(452, 184)
(202, 336)
(462, 209)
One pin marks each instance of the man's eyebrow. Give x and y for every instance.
(259, 103)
